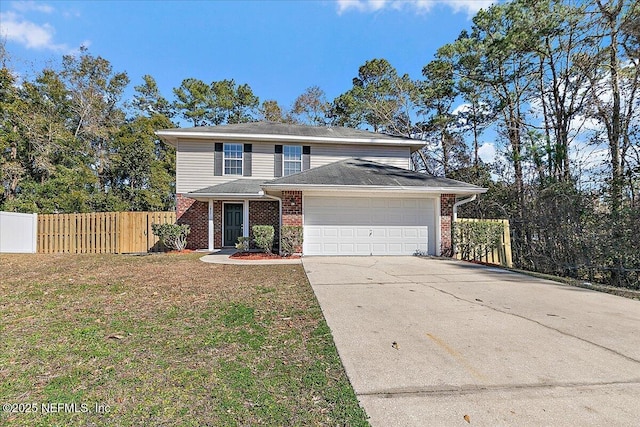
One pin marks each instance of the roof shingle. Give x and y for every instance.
(359, 172)
(272, 128)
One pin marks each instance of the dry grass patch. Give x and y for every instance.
(166, 340)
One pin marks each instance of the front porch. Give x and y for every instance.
(217, 223)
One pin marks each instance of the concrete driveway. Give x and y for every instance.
(441, 342)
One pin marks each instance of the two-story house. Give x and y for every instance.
(352, 191)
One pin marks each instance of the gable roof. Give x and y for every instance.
(284, 132)
(359, 174)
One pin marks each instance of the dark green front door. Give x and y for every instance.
(232, 223)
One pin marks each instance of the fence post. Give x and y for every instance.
(507, 243)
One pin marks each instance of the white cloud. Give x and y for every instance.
(31, 6)
(487, 152)
(34, 36)
(16, 27)
(469, 6)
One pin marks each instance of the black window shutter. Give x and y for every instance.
(246, 159)
(277, 162)
(306, 157)
(217, 159)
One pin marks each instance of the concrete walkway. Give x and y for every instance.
(427, 342)
(221, 256)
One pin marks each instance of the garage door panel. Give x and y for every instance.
(361, 248)
(347, 232)
(368, 226)
(410, 233)
(347, 248)
(361, 232)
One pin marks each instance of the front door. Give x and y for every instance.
(232, 223)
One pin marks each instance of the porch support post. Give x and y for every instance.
(211, 230)
(438, 229)
(245, 218)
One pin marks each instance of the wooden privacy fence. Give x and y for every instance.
(499, 255)
(100, 232)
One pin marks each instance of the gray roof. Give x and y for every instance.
(350, 172)
(272, 128)
(359, 172)
(239, 186)
(286, 133)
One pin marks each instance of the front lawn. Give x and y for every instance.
(165, 340)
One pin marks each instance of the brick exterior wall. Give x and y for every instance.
(217, 224)
(196, 214)
(446, 217)
(265, 213)
(292, 210)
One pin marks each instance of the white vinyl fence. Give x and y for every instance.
(18, 232)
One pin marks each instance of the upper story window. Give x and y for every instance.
(292, 159)
(233, 159)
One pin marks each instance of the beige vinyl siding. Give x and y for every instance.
(194, 166)
(194, 160)
(393, 156)
(262, 160)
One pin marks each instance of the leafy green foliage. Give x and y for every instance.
(67, 146)
(380, 100)
(172, 236)
(291, 239)
(475, 238)
(263, 236)
(243, 244)
(217, 103)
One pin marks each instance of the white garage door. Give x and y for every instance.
(368, 225)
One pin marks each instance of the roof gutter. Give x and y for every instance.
(172, 137)
(225, 196)
(460, 203)
(380, 188)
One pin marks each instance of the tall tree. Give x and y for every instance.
(95, 92)
(11, 168)
(221, 102)
(613, 87)
(562, 32)
(312, 106)
(437, 94)
(143, 170)
(380, 100)
(271, 111)
(233, 103)
(193, 100)
(149, 101)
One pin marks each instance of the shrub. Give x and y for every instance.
(172, 236)
(477, 238)
(263, 237)
(243, 244)
(290, 239)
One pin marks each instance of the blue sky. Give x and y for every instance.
(279, 48)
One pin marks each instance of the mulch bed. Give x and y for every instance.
(260, 256)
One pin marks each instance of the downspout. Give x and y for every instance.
(455, 217)
(279, 218)
(460, 203)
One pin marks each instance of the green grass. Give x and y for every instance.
(166, 340)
